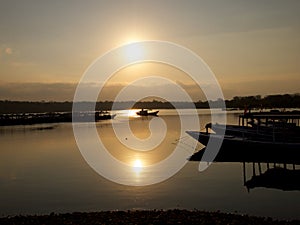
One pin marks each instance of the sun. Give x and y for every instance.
(132, 40)
(134, 51)
(132, 37)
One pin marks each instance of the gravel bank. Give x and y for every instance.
(144, 217)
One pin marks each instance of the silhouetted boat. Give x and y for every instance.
(236, 148)
(284, 125)
(145, 112)
(104, 116)
(259, 135)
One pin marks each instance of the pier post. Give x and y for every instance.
(253, 169)
(244, 172)
(259, 168)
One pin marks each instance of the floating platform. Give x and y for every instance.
(52, 117)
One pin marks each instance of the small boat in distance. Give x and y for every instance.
(104, 115)
(145, 112)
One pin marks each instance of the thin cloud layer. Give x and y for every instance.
(65, 91)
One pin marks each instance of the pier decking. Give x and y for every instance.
(52, 117)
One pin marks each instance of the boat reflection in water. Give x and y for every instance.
(283, 177)
(267, 140)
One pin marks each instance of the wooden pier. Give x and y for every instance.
(52, 117)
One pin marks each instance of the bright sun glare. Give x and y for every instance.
(131, 40)
(137, 164)
(132, 113)
(134, 51)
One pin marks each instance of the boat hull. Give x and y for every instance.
(240, 149)
(146, 113)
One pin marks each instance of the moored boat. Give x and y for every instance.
(241, 149)
(257, 136)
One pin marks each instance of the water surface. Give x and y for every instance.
(42, 171)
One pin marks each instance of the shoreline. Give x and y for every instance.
(171, 216)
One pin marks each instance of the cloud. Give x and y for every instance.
(261, 87)
(37, 91)
(65, 91)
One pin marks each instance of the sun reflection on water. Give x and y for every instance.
(129, 113)
(137, 166)
(132, 113)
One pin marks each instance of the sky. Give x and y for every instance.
(252, 47)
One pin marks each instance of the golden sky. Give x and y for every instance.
(253, 47)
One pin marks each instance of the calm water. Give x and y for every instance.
(43, 171)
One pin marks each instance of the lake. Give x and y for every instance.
(43, 171)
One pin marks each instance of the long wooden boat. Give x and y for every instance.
(244, 143)
(266, 137)
(240, 149)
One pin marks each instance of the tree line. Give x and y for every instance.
(258, 102)
(270, 101)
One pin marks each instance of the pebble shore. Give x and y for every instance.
(153, 217)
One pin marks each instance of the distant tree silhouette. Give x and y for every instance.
(250, 102)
